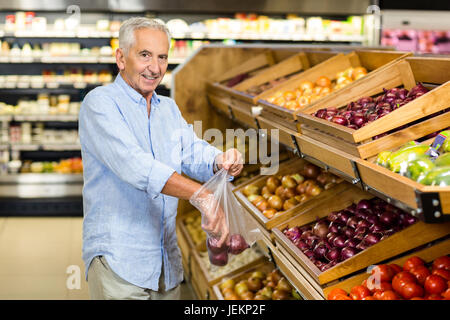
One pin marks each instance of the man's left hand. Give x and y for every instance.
(231, 160)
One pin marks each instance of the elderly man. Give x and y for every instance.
(135, 145)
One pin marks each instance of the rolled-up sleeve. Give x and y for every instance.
(104, 134)
(197, 155)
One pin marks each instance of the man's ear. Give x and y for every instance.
(120, 59)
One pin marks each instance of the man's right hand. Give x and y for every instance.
(214, 220)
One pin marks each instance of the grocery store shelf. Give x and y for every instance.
(59, 34)
(41, 185)
(270, 37)
(38, 117)
(71, 59)
(45, 147)
(40, 178)
(49, 85)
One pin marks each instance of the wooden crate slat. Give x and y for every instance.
(258, 61)
(430, 69)
(290, 65)
(333, 157)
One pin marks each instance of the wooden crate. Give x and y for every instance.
(428, 254)
(241, 103)
(299, 278)
(402, 241)
(338, 161)
(264, 266)
(373, 61)
(360, 142)
(291, 166)
(203, 281)
(409, 192)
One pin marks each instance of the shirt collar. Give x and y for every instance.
(136, 96)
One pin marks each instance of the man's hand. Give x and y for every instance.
(214, 220)
(231, 160)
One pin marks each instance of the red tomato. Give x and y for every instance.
(433, 296)
(446, 294)
(384, 286)
(442, 263)
(369, 298)
(377, 295)
(411, 290)
(442, 273)
(384, 272)
(333, 293)
(396, 268)
(413, 262)
(389, 295)
(435, 284)
(421, 273)
(360, 292)
(400, 279)
(342, 297)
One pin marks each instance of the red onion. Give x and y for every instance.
(309, 254)
(320, 229)
(351, 208)
(348, 252)
(320, 250)
(357, 120)
(352, 243)
(348, 232)
(362, 230)
(321, 113)
(237, 244)
(306, 235)
(376, 227)
(409, 220)
(363, 204)
(331, 236)
(333, 216)
(311, 242)
(335, 227)
(344, 216)
(212, 244)
(359, 236)
(339, 120)
(293, 233)
(339, 241)
(352, 222)
(363, 245)
(362, 224)
(373, 219)
(333, 254)
(388, 218)
(218, 259)
(372, 238)
(352, 126)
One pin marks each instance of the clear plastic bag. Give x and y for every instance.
(230, 230)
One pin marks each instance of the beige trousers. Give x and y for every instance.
(104, 284)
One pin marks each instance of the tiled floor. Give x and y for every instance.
(40, 258)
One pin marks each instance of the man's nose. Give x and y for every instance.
(154, 66)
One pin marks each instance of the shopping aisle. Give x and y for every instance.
(35, 254)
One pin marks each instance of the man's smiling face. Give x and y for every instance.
(145, 63)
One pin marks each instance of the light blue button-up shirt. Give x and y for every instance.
(128, 158)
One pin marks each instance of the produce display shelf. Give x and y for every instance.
(360, 142)
(373, 61)
(406, 239)
(289, 167)
(427, 254)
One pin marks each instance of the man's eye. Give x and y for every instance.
(145, 55)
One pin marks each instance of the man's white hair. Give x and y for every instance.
(126, 31)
